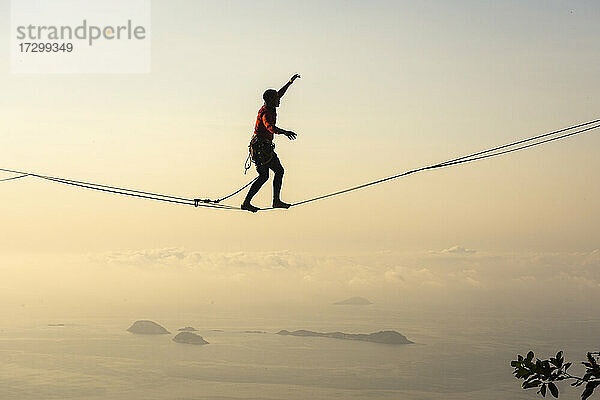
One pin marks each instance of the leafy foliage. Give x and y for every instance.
(544, 374)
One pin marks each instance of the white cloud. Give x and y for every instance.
(455, 250)
(525, 278)
(181, 258)
(394, 275)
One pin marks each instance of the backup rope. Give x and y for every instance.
(121, 191)
(493, 152)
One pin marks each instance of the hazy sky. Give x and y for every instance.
(386, 86)
(147, 283)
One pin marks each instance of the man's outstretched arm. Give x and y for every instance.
(285, 87)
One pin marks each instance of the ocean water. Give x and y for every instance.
(456, 356)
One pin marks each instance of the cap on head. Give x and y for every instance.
(270, 96)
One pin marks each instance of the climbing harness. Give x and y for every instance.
(260, 152)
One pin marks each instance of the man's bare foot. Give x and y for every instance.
(249, 207)
(280, 204)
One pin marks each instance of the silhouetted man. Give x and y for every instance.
(261, 147)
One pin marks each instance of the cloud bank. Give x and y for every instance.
(178, 277)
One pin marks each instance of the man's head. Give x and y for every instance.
(271, 98)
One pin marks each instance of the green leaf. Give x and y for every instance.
(589, 390)
(530, 384)
(530, 355)
(553, 389)
(567, 365)
(543, 390)
(592, 360)
(522, 372)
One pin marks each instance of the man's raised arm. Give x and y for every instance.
(285, 87)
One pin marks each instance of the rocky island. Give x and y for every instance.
(385, 337)
(187, 329)
(145, 327)
(353, 301)
(189, 338)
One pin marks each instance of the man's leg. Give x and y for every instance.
(276, 166)
(263, 176)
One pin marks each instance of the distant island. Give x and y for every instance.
(255, 332)
(56, 324)
(145, 327)
(385, 337)
(189, 338)
(354, 301)
(187, 329)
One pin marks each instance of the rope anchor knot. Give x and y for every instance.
(205, 201)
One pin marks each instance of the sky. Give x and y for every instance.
(386, 86)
